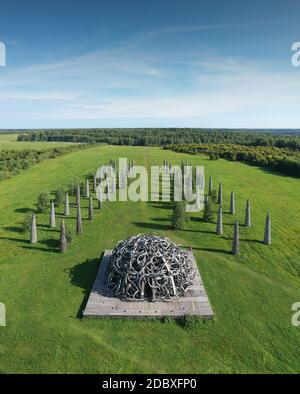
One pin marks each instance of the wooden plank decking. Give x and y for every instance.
(101, 304)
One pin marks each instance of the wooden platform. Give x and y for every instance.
(101, 304)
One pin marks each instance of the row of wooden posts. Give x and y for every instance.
(247, 223)
(79, 228)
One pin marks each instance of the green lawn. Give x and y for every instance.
(9, 142)
(8, 137)
(251, 295)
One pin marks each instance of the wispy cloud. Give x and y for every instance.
(117, 84)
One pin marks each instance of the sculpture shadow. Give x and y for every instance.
(83, 276)
(153, 226)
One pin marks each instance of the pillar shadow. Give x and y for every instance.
(212, 250)
(52, 245)
(23, 210)
(153, 226)
(16, 239)
(13, 229)
(43, 226)
(160, 219)
(199, 231)
(40, 248)
(160, 205)
(251, 240)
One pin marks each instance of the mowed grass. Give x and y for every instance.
(251, 295)
(9, 142)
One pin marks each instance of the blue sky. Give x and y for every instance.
(149, 63)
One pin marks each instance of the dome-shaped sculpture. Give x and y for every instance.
(149, 267)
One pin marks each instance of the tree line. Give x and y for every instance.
(167, 136)
(13, 161)
(283, 160)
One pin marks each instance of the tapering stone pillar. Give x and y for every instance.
(220, 195)
(268, 238)
(67, 205)
(52, 216)
(248, 214)
(63, 238)
(232, 204)
(79, 221)
(87, 189)
(91, 209)
(210, 185)
(78, 196)
(94, 182)
(236, 240)
(219, 229)
(33, 233)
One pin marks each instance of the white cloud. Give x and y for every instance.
(43, 96)
(116, 84)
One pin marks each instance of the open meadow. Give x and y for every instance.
(251, 294)
(9, 142)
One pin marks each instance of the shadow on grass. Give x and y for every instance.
(161, 205)
(160, 219)
(52, 245)
(83, 275)
(200, 231)
(212, 250)
(47, 228)
(24, 210)
(59, 215)
(153, 226)
(52, 230)
(197, 219)
(251, 240)
(43, 226)
(14, 229)
(40, 248)
(16, 239)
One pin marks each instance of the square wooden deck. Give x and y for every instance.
(100, 304)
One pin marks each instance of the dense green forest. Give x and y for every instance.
(168, 136)
(276, 150)
(13, 161)
(278, 159)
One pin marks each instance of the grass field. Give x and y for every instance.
(9, 142)
(251, 295)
